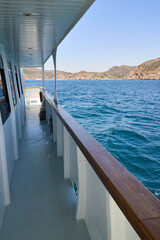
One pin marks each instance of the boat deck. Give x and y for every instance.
(43, 204)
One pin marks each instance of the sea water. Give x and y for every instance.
(123, 115)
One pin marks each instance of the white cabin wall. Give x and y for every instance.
(4, 183)
(7, 127)
(10, 132)
(8, 145)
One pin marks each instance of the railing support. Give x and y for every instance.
(43, 76)
(54, 53)
(54, 122)
(82, 201)
(66, 154)
(47, 111)
(59, 138)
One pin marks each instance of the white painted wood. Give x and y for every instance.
(120, 228)
(59, 138)
(54, 122)
(47, 111)
(66, 154)
(54, 55)
(43, 76)
(117, 221)
(96, 209)
(62, 139)
(82, 191)
(130, 232)
(70, 158)
(73, 161)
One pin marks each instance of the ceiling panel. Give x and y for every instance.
(30, 30)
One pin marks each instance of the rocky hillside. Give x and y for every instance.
(120, 72)
(35, 73)
(146, 70)
(89, 75)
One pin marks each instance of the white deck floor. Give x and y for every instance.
(43, 203)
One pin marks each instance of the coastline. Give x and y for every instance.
(89, 79)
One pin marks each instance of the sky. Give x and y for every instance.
(111, 33)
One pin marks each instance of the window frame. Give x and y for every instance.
(18, 88)
(20, 80)
(10, 73)
(5, 106)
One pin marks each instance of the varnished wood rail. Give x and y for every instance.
(31, 87)
(140, 207)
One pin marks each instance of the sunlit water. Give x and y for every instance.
(123, 115)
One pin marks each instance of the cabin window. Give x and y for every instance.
(17, 83)
(4, 105)
(20, 81)
(12, 84)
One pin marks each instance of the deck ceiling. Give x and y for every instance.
(31, 29)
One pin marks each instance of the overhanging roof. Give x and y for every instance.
(31, 29)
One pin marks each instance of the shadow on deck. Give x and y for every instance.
(43, 204)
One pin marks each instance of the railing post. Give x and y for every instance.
(119, 226)
(54, 122)
(47, 111)
(66, 154)
(43, 76)
(59, 138)
(96, 216)
(82, 201)
(54, 54)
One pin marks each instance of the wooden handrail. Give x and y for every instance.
(141, 208)
(2, 99)
(31, 87)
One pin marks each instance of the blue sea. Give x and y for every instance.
(123, 115)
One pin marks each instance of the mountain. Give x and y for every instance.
(120, 72)
(89, 75)
(146, 70)
(35, 73)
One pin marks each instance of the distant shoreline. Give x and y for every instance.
(89, 79)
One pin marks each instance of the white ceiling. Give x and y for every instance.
(31, 39)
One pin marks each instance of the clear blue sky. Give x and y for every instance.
(112, 32)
